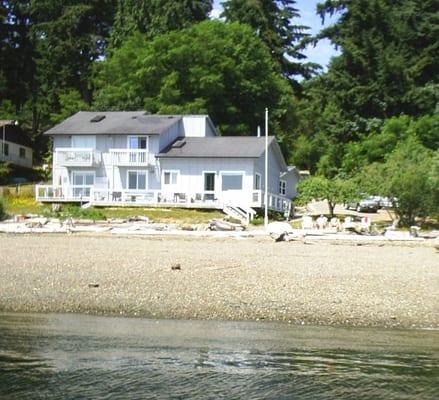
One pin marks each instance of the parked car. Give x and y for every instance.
(368, 204)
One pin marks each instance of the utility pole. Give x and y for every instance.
(266, 171)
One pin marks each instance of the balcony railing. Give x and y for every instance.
(131, 157)
(75, 157)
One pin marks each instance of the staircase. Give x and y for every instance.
(242, 213)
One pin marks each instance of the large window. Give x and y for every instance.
(231, 182)
(82, 182)
(137, 180)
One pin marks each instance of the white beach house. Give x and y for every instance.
(134, 158)
(15, 148)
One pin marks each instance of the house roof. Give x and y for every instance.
(216, 147)
(114, 122)
(14, 134)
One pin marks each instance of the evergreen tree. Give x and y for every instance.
(153, 17)
(272, 20)
(16, 53)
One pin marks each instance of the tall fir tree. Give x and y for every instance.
(273, 21)
(153, 17)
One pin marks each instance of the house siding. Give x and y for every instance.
(191, 173)
(274, 171)
(14, 154)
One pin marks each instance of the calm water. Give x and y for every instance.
(81, 357)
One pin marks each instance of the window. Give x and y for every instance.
(6, 149)
(22, 152)
(257, 182)
(209, 181)
(231, 182)
(137, 180)
(282, 188)
(170, 177)
(138, 142)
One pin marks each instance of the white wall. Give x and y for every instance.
(273, 171)
(191, 170)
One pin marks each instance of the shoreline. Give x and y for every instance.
(237, 279)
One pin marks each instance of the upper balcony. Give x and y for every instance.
(77, 157)
(132, 157)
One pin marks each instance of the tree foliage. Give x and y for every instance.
(220, 69)
(408, 179)
(273, 21)
(152, 17)
(333, 191)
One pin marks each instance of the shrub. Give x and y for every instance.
(2, 209)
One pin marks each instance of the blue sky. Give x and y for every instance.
(323, 51)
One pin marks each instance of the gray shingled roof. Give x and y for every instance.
(217, 147)
(115, 122)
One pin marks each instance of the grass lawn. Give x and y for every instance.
(21, 200)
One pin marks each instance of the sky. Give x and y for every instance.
(323, 51)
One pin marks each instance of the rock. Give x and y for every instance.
(187, 227)
(93, 285)
(176, 267)
(279, 227)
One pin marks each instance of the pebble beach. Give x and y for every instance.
(298, 282)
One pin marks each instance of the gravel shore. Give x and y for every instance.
(231, 279)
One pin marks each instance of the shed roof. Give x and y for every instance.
(216, 147)
(14, 134)
(114, 122)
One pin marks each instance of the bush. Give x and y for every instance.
(2, 209)
(70, 211)
(4, 173)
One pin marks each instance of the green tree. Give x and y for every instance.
(16, 52)
(333, 191)
(389, 56)
(272, 20)
(5, 171)
(153, 17)
(411, 173)
(220, 69)
(70, 102)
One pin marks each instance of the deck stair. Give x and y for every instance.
(243, 213)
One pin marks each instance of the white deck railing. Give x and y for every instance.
(124, 197)
(58, 193)
(131, 157)
(77, 157)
